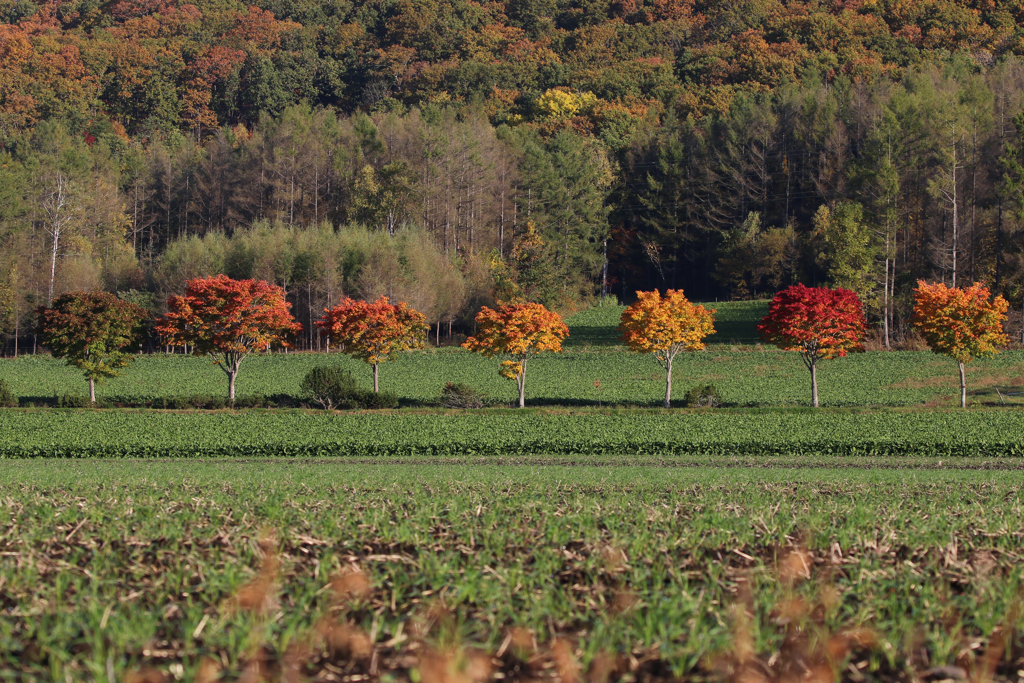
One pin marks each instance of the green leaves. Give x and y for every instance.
(90, 330)
(152, 434)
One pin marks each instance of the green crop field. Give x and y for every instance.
(591, 538)
(155, 434)
(180, 570)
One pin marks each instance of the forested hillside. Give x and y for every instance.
(450, 152)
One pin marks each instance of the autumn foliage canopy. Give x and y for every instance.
(517, 332)
(819, 322)
(90, 330)
(664, 326)
(375, 331)
(962, 323)
(228, 320)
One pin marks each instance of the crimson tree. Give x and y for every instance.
(818, 322)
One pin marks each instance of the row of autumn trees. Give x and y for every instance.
(229, 320)
(867, 183)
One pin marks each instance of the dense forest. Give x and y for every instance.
(451, 152)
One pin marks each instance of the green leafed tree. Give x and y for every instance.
(92, 331)
(566, 181)
(849, 249)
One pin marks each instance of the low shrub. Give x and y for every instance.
(7, 397)
(211, 402)
(73, 401)
(328, 385)
(370, 400)
(458, 395)
(705, 396)
(333, 388)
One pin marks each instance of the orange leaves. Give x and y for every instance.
(374, 331)
(222, 315)
(962, 323)
(258, 30)
(818, 322)
(519, 331)
(665, 326)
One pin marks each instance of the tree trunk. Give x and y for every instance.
(53, 267)
(668, 383)
(92, 391)
(885, 306)
(814, 384)
(232, 374)
(376, 381)
(963, 386)
(521, 381)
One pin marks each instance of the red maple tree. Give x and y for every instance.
(375, 331)
(228, 320)
(818, 322)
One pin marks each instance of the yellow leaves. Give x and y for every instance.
(665, 326)
(510, 369)
(560, 103)
(961, 323)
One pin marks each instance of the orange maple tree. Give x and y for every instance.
(819, 322)
(228, 320)
(517, 332)
(664, 326)
(374, 332)
(963, 323)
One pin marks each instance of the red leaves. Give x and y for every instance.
(221, 315)
(816, 321)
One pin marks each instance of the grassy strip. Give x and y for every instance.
(158, 434)
(109, 566)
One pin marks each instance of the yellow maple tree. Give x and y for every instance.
(664, 326)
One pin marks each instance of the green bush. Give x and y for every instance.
(333, 388)
(216, 402)
(370, 400)
(705, 396)
(7, 397)
(328, 386)
(73, 401)
(458, 395)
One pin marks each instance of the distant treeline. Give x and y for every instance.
(867, 183)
